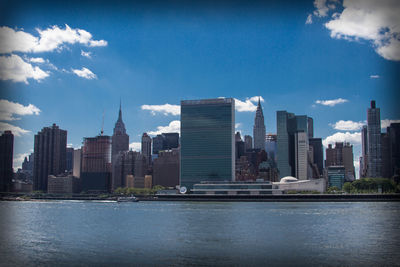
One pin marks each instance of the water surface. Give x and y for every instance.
(82, 233)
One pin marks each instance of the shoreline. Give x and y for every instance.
(227, 198)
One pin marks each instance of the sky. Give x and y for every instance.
(70, 63)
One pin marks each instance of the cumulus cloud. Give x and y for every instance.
(85, 73)
(332, 102)
(17, 131)
(249, 105)
(165, 109)
(348, 125)
(375, 21)
(49, 39)
(86, 54)
(386, 123)
(37, 60)
(18, 160)
(238, 125)
(309, 19)
(172, 127)
(374, 76)
(135, 146)
(8, 109)
(14, 68)
(352, 138)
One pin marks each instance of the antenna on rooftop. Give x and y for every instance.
(102, 125)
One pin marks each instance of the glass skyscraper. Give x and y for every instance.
(207, 141)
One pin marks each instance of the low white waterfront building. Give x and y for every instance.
(290, 183)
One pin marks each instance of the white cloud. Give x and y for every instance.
(348, 125)
(86, 54)
(165, 109)
(8, 109)
(309, 19)
(375, 21)
(332, 102)
(49, 39)
(173, 127)
(37, 60)
(386, 123)
(374, 76)
(17, 131)
(238, 125)
(15, 69)
(135, 146)
(18, 160)
(321, 8)
(249, 105)
(352, 138)
(85, 73)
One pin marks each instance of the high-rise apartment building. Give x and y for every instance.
(50, 155)
(341, 155)
(120, 141)
(259, 128)
(391, 151)
(239, 146)
(146, 147)
(374, 141)
(166, 168)
(207, 141)
(6, 160)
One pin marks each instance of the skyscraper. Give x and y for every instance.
(146, 147)
(259, 128)
(120, 140)
(50, 155)
(364, 151)
(96, 164)
(374, 141)
(207, 141)
(310, 127)
(341, 155)
(318, 153)
(301, 150)
(6, 160)
(248, 143)
(165, 141)
(288, 125)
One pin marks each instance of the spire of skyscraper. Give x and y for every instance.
(259, 128)
(120, 112)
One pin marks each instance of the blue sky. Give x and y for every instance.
(295, 56)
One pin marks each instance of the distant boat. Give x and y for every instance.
(127, 199)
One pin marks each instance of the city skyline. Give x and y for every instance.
(151, 57)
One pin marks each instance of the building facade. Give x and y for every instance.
(166, 168)
(146, 147)
(288, 127)
(50, 155)
(120, 141)
(207, 141)
(259, 128)
(341, 155)
(96, 164)
(6, 161)
(374, 141)
(318, 153)
(248, 143)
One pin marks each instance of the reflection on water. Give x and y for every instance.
(52, 233)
